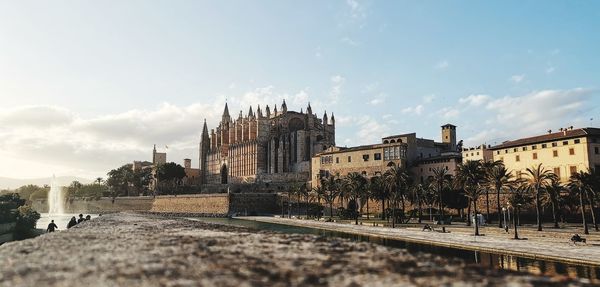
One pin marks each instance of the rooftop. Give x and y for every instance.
(565, 134)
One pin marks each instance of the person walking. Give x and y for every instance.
(51, 227)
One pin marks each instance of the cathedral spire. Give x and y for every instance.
(325, 121)
(205, 129)
(268, 111)
(250, 113)
(283, 107)
(309, 109)
(332, 119)
(226, 117)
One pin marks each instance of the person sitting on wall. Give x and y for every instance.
(88, 217)
(51, 227)
(427, 227)
(72, 222)
(81, 219)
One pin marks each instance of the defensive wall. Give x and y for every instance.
(207, 204)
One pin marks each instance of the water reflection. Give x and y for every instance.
(489, 260)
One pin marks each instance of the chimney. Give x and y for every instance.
(187, 163)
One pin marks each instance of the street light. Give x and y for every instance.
(504, 214)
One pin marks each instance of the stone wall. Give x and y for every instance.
(217, 204)
(102, 205)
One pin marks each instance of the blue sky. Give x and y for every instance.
(89, 85)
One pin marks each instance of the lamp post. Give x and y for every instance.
(504, 215)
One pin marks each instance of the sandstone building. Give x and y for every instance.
(274, 146)
(564, 152)
(420, 156)
(481, 153)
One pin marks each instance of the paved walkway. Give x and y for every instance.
(145, 250)
(547, 245)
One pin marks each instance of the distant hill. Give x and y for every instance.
(13, 183)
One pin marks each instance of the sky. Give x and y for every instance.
(86, 86)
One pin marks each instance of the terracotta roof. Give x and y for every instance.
(567, 134)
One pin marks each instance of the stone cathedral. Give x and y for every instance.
(270, 147)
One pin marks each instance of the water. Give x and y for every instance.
(487, 260)
(56, 198)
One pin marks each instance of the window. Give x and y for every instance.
(571, 151)
(524, 148)
(544, 145)
(515, 149)
(365, 157)
(555, 153)
(472, 154)
(533, 147)
(554, 144)
(573, 169)
(497, 152)
(565, 142)
(337, 160)
(517, 158)
(477, 153)
(535, 155)
(349, 159)
(505, 151)
(377, 156)
(557, 171)
(596, 151)
(576, 141)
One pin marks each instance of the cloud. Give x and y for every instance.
(318, 53)
(534, 113)
(442, 65)
(428, 99)
(38, 137)
(474, 100)
(337, 82)
(417, 110)
(357, 10)
(517, 78)
(449, 113)
(349, 41)
(550, 70)
(378, 99)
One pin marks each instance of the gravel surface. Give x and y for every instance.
(148, 250)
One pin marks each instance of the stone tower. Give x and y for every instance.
(204, 148)
(449, 136)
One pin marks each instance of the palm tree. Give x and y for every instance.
(498, 178)
(379, 192)
(395, 180)
(578, 184)
(593, 193)
(470, 176)
(441, 180)
(538, 179)
(553, 190)
(357, 185)
(329, 192)
(518, 197)
(488, 166)
(417, 195)
(99, 180)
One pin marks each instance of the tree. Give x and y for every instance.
(357, 184)
(488, 166)
(518, 197)
(440, 180)
(470, 176)
(119, 180)
(498, 178)
(537, 179)
(395, 180)
(329, 192)
(171, 173)
(579, 184)
(99, 180)
(416, 196)
(553, 190)
(379, 192)
(141, 179)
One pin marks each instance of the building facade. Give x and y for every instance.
(275, 146)
(480, 153)
(564, 153)
(420, 156)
